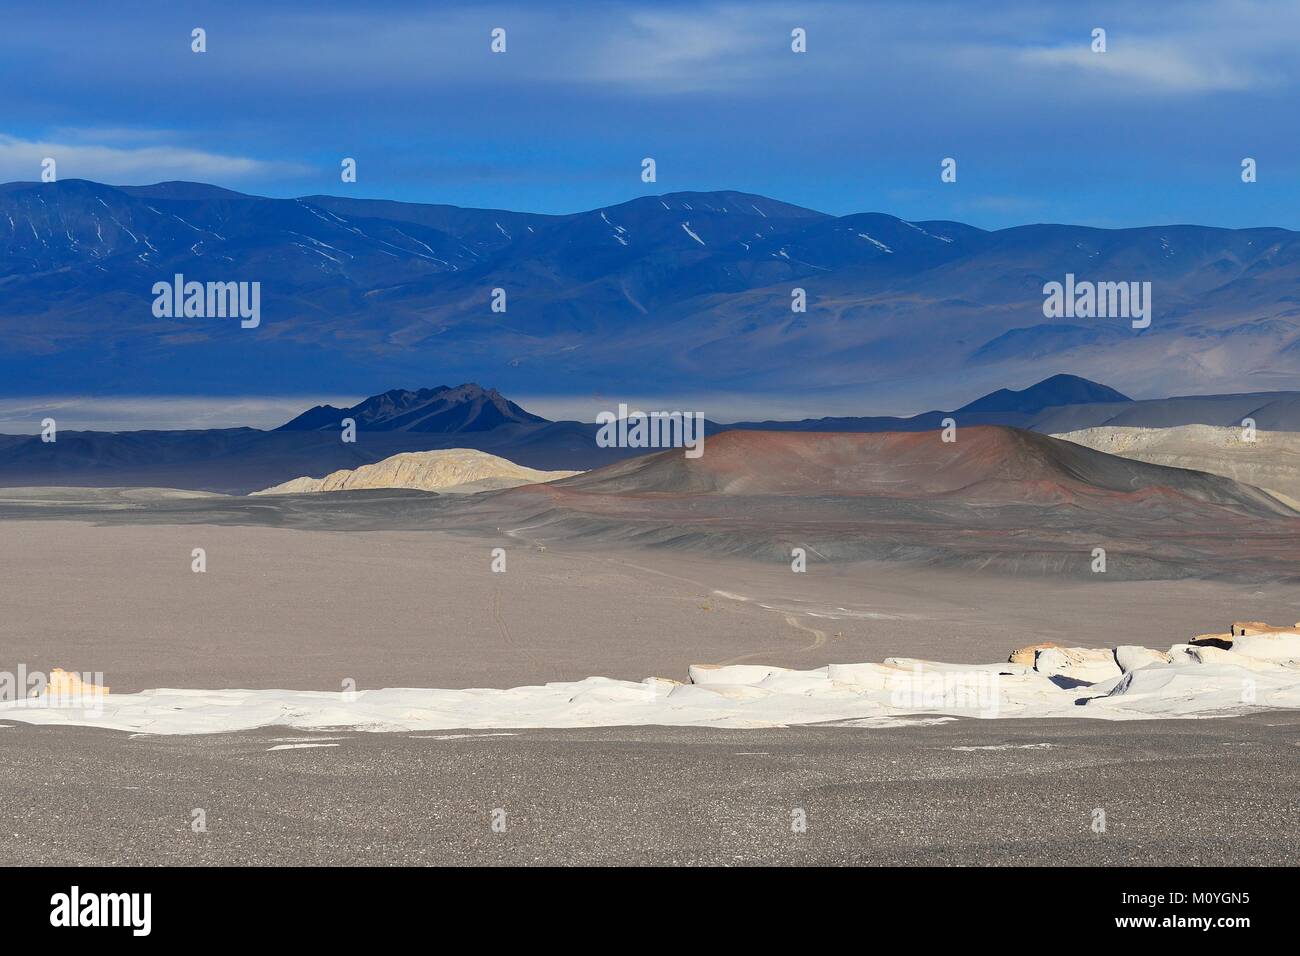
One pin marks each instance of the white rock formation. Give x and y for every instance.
(1131, 657)
(1090, 665)
(447, 471)
(1257, 671)
(1280, 646)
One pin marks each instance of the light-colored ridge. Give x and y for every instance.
(448, 471)
(1269, 460)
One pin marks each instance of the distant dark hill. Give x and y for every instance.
(464, 408)
(1019, 409)
(1057, 390)
(1082, 404)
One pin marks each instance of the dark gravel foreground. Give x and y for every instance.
(1196, 793)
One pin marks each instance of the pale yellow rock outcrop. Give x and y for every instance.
(1026, 655)
(1270, 460)
(449, 471)
(66, 688)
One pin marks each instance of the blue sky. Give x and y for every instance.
(1152, 131)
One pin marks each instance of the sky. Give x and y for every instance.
(1043, 129)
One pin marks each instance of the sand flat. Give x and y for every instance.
(305, 609)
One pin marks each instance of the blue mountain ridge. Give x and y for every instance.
(687, 291)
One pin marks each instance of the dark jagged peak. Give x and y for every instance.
(462, 408)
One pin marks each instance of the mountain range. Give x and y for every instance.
(240, 460)
(661, 295)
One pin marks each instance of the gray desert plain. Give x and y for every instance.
(670, 568)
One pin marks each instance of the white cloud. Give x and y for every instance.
(705, 48)
(1156, 66)
(20, 159)
(643, 48)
